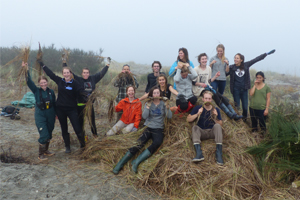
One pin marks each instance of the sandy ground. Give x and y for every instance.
(63, 176)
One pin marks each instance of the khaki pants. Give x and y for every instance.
(199, 134)
(119, 126)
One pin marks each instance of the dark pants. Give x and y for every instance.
(44, 120)
(219, 99)
(157, 136)
(62, 114)
(258, 115)
(80, 110)
(185, 105)
(241, 95)
(219, 86)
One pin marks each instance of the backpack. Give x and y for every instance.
(10, 109)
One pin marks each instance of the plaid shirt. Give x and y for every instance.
(122, 89)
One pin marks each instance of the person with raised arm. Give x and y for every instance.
(240, 79)
(44, 113)
(69, 91)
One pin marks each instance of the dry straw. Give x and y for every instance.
(39, 57)
(171, 173)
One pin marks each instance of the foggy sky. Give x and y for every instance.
(144, 31)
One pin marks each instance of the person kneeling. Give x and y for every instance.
(131, 117)
(154, 114)
(209, 126)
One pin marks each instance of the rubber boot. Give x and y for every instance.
(68, 149)
(42, 149)
(143, 156)
(190, 106)
(178, 110)
(122, 162)
(219, 154)
(199, 156)
(47, 152)
(236, 117)
(226, 111)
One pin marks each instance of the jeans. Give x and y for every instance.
(219, 86)
(241, 95)
(258, 115)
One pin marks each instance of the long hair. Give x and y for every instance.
(127, 88)
(68, 68)
(152, 89)
(242, 57)
(166, 80)
(222, 47)
(186, 54)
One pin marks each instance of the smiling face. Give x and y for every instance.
(237, 60)
(203, 60)
(67, 74)
(181, 55)
(220, 52)
(162, 81)
(85, 74)
(156, 93)
(43, 84)
(156, 68)
(130, 92)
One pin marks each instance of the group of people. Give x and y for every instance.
(190, 83)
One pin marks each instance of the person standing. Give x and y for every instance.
(209, 126)
(219, 63)
(240, 79)
(44, 113)
(89, 84)
(69, 91)
(260, 102)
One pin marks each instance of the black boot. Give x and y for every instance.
(227, 111)
(122, 162)
(199, 156)
(42, 149)
(68, 149)
(219, 154)
(47, 152)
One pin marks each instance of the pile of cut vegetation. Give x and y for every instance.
(171, 173)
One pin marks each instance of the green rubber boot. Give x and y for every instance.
(143, 156)
(122, 162)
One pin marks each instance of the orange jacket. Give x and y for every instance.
(132, 112)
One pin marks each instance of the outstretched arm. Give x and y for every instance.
(173, 90)
(98, 76)
(145, 96)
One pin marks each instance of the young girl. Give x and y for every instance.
(165, 88)
(131, 117)
(182, 60)
(154, 115)
(260, 102)
(219, 63)
(44, 112)
(240, 79)
(69, 91)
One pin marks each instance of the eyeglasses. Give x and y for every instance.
(156, 66)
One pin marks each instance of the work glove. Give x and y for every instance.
(165, 98)
(270, 52)
(134, 129)
(41, 63)
(210, 89)
(108, 60)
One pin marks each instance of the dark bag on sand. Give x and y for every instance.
(10, 109)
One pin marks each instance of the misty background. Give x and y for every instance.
(144, 31)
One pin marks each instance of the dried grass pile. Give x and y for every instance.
(170, 172)
(39, 57)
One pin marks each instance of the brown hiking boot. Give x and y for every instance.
(47, 152)
(42, 149)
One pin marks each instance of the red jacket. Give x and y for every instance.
(132, 112)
